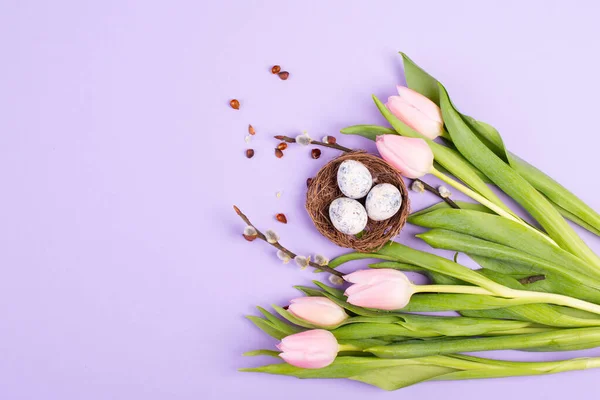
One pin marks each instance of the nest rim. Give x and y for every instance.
(323, 189)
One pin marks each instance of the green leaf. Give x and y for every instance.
(279, 324)
(501, 230)
(420, 81)
(394, 378)
(574, 218)
(309, 291)
(527, 263)
(462, 204)
(331, 290)
(512, 183)
(270, 353)
(558, 339)
(267, 327)
(576, 210)
(368, 131)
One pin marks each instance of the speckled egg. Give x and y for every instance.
(354, 179)
(348, 216)
(383, 202)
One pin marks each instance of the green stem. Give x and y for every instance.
(477, 197)
(451, 289)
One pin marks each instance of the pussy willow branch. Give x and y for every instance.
(433, 190)
(278, 246)
(336, 146)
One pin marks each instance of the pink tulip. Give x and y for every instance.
(417, 111)
(310, 349)
(412, 157)
(318, 311)
(384, 289)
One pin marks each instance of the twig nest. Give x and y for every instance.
(324, 190)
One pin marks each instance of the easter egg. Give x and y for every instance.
(354, 179)
(383, 202)
(348, 215)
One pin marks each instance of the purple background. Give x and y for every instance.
(123, 273)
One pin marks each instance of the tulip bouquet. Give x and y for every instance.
(538, 288)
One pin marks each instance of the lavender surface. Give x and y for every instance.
(124, 273)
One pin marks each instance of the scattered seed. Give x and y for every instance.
(235, 104)
(282, 146)
(248, 138)
(275, 69)
(250, 153)
(281, 218)
(283, 75)
(309, 182)
(315, 153)
(251, 130)
(278, 153)
(278, 194)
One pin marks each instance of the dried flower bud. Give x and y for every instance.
(283, 75)
(283, 256)
(235, 104)
(321, 259)
(417, 186)
(336, 280)
(282, 146)
(315, 153)
(302, 261)
(303, 139)
(444, 192)
(278, 153)
(250, 153)
(251, 130)
(276, 69)
(329, 139)
(271, 236)
(281, 218)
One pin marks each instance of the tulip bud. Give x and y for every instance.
(417, 111)
(318, 311)
(312, 349)
(384, 289)
(411, 156)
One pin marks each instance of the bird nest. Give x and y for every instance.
(323, 189)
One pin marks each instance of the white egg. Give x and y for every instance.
(383, 202)
(354, 179)
(348, 216)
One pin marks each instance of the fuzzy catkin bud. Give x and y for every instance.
(417, 186)
(283, 256)
(303, 139)
(336, 280)
(321, 260)
(444, 192)
(271, 236)
(302, 261)
(250, 231)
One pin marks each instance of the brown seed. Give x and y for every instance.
(275, 69)
(279, 137)
(235, 104)
(331, 140)
(278, 153)
(281, 218)
(251, 130)
(282, 146)
(250, 238)
(309, 182)
(283, 75)
(250, 153)
(315, 153)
